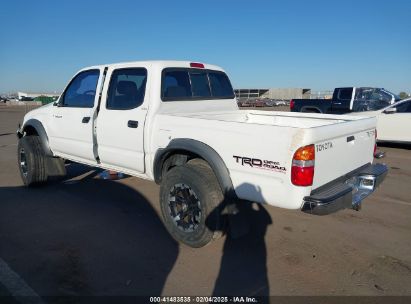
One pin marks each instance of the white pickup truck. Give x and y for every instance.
(177, 123)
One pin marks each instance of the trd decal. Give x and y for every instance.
(324, 146)
(259, 163)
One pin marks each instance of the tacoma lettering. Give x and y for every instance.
(324, 146)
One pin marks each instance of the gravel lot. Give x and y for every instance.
(87, 236)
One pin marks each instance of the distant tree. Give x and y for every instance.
(44, 99)
(403, 95)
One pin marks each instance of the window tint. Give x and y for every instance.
(82, 90)
(220, 84)
(404, 107)
(190, 84)
(127, 89)
(380, 95)
(345, 94)
(199, 84)
(371, 99)
(363, 93)
(176, 84)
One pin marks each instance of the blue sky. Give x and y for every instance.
(310, 44)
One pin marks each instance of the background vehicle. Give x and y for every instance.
(393, 122)
(25, 98)
(345, 100)
(178, 124)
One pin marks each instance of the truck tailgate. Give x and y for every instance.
(345, 150)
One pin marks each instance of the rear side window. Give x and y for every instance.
(82, 90)
(345, 94)
(176, 84)
(127, 89)
(195, 84)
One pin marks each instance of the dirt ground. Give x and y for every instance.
(88, 236)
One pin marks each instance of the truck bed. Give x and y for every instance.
(343, 143)
(280, 119)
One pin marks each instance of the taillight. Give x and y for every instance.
(302, 169)
(291, 104)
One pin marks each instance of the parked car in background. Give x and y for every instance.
(393, 122)
(259, 103)
(243, 103)
(270, 102)
(345, 100)
(281, 103)
(25, 98)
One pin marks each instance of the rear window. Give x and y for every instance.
(195, 84)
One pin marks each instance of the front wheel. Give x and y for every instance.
(191, 200)
(31, 161)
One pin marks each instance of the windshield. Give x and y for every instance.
(372, 99)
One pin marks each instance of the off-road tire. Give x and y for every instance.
(35, 171)
(200, 178)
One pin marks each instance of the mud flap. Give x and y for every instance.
(55, 167)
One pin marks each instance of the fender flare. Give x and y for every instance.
(204, 151)
(38, 126)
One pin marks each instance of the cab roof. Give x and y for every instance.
(160, 64)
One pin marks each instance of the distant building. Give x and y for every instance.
(22, 95)
(274, 93)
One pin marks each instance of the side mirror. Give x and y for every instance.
(390, 111)
(58, 102)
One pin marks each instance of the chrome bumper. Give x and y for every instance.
(346, 192)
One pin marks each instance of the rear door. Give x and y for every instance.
(70, 127)
(342, 100)
(120, 123)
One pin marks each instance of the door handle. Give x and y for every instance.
(85, 119)
(132, 124)
(58, 116)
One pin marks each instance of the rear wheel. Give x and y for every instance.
(31, 161)
(191, 200)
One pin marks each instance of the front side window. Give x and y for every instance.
(380, 95)
(82, 90)
(127, 89)
(195, 84)
(371, 99)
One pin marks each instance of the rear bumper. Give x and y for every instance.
(345, 192)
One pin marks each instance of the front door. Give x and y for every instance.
(120, 123)
(70, 129)
(395, 126)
